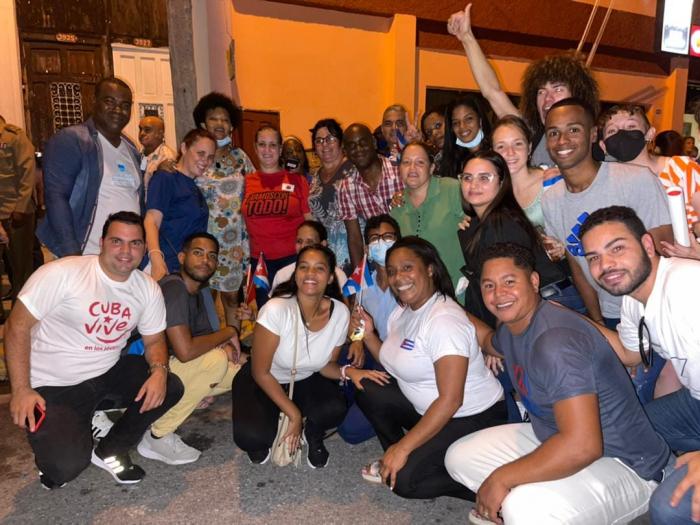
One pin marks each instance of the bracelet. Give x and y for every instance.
(165, 367)
(156, 251)
(343, 376)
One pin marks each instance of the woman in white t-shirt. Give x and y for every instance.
(440, 389)
(260, 389)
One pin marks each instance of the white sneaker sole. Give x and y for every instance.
(152, 454)
(99, 463)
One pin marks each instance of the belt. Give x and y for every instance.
(555, 288)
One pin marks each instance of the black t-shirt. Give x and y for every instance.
(561, 355)
(508, 231)
(183, 308)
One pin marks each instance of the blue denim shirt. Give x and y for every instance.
(73, 166)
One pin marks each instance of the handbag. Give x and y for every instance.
(280, 454)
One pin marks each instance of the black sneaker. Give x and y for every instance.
(318, 455)
(259, 457)
(48, 483)
(120, 467)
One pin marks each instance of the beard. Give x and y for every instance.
(637, 277)
(197, 276)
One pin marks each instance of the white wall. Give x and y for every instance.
(11, 104)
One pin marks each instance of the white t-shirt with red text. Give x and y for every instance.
(85, 318)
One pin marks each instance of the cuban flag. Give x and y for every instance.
(360, 279)
(247, 326)
(260, 276)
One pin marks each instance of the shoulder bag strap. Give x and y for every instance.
(294, 359)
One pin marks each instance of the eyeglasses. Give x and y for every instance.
(647, 354)
(481, 178)
(330, 139)
(388, 237)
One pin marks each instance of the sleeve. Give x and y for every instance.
(346, 207)
(176, 302)
(153, 318)
(25, 164)
(44, 290)
(562, 364)
(273, 315)
(449, 334)
(628, 329)
(647, 197)
(160, 190)
(62, 163)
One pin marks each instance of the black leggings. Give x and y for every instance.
(63, 444)
(255, 415)
(424, 475)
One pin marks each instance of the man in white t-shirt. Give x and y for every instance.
(91, 170)
(63, 344)
(659, 311)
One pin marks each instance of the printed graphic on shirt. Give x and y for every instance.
(267, 203)
(407, 344)
(523, 386)
(573, 242)
(107, 323)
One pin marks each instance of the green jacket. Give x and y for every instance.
(16, 171)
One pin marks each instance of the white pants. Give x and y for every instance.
(605, 492)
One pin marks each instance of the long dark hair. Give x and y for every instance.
(454, 156)
(290, 289)
(504, 207)
(427, 253)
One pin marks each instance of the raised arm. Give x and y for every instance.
(460, 26)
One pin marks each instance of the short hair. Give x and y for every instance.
(110, 80)
(522, 257)
(437, 110)
(670, 143)
(315, 225)
(424, 146)
(199, 235)
(578, 102)
(126, 217)
(621, 214)
(331, 125)
(632, 109)
(270, 127)
(689, 137)
(361, 126)
(375, 222)
(569, 69)
(516, 122)
(215, 100)
(395, 107)
(427, 253)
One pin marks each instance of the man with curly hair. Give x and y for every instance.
(545, 82)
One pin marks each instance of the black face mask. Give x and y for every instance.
(626, 144)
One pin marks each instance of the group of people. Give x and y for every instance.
(504, 273)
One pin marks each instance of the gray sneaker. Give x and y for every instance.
(169, 449)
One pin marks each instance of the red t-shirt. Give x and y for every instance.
(273, 207)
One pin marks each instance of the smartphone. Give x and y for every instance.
(39, 415)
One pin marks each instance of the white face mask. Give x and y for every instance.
(220, 143)
(472, 143)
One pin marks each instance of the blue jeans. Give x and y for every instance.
(568, 297)
(660, 508)
(676, 418)
(644, 382)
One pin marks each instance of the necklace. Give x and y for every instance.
(313, 316)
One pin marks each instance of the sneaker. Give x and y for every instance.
(370, 472)
(48, 483)
(259, 457)
(169, 449)
(477, 519)
(120, 467)
(101, 424)
(318, 454)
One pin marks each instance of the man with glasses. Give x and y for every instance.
(91, 170)
(659, 312)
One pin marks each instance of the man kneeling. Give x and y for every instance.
(204, 358)
(590, 454)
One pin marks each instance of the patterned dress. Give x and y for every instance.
(223, 186)
(324, 208)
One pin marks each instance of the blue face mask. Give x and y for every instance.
(378, 249)
(223, 142)
(472, 143)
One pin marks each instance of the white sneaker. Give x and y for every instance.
(101, 424)
(169, 449)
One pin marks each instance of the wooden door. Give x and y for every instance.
(61, 79)
(252, 121)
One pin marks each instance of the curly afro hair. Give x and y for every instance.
(569, 69)
(217, 100)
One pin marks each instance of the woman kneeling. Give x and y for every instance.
(440, 389)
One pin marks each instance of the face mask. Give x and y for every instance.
(625, 145)
(472, 143)
(223, 142)
(378, 249)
